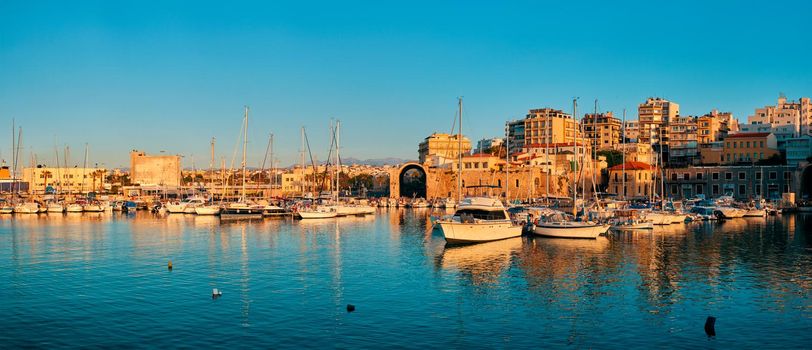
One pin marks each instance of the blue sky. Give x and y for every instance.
(169, 75)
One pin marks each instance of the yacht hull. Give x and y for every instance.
(464, 233)
(570, 230)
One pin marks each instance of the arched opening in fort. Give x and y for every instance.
(412, 180)
(806, 183)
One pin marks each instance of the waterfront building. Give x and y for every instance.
(637, 177)
(547, 125)
(160, 170)
(603, 130)
(482, 161)
(743, 182)
(42, 179)
(439, 148)
(515, 134)
(798, 150)
(749, 147)
(485, 145)
(782, 132)
(682, 141)
(711, 153)
(715, 126)
(632, 130)
(654, 115)
(795, 113)
(638, 152)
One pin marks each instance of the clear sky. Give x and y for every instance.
(170, 75)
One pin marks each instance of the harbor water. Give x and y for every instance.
(102, 280)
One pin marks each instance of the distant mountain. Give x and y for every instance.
(374, 162)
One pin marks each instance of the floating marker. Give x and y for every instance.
(710, 326)
(350, 307)
(216, 293)
(169, 266)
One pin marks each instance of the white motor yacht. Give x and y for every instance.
(479, 219)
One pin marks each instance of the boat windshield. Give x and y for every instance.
(481, 214)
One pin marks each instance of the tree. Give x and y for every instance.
(613, 157)
(775, 159)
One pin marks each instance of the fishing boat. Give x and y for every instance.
(479, 219)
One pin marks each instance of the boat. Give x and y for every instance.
(626, 220)
(704, 213)
(419, 203)
(479, 219)
(6, 208)
(242, 208)
(94, 207)
(74, 208)
(186, 206)
(319, 212)
(27, 208)
(570, 229)
(449, 203)
(565, 227)
(55, 207)
(208, 209)
(274, 211)
(729, 212)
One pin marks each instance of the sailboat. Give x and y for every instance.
(209, 208)
(477, 219)
(242, 209)
(569, 228)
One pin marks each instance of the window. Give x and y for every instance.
(773, 175)
(761, 144)
(674, 177)
(748, 144)
(786, 188)
(686, 176)
(699, 189)
(728, 176)
(517, 182)
(715, 176)
(498, 183)
(742, 190)
(758, 175)
(699, 176)
(715, 189)
(616, 177)
(742, 175)
(674, 189)
(786, 175)
(757, 189)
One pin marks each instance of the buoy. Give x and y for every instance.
(350, 307)
(169, 265)
(216, 293)
(710, 326)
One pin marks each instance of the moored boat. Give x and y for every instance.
(479, 219)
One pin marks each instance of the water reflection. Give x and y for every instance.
(482, 263)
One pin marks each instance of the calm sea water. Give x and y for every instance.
(102, 281)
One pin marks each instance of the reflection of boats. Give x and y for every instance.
(479, 219)
(755, 212)
(481, 260)
(597, 245)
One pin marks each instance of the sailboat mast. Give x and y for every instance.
(623, 153)
(84, 170)
(301, 160)
(575, 160)
(547, 140)
(244, 147)
(507, 157)
(459, 152)
(211, 168)
(338, 160)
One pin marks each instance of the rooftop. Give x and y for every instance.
(633, 166)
